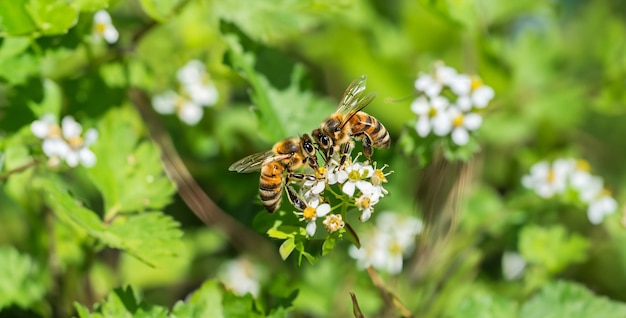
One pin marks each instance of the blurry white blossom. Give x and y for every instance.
(65, 142)
(103, 27)
(447, 102)
(196, 92)
(353, 176)
(556, 178)
(333, 222)
(513, 265)
(241, 276)
(386, 245)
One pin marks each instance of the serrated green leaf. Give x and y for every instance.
(566, 299)
(23, 281)
(122, 303)
(52, 17)
(551, 247)
(14, 18)
(128, 172)
(72, 211)
(239, 306)
(150, 236)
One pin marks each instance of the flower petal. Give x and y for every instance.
(87, 157)
(70, 127)
(423, 126)
(310, 228)
(420, 106)
(460, 136)
(190, 113)
(322, 210)
(348, 188)
(472, 121)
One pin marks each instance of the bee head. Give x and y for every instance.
(322, 139)
(307, 145)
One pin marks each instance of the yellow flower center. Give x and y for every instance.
(321, 172)
(100, 27)
(308, 213)
(458, 121)
(378, 177)
(432, 112)
(354, 175)
(583, 165)
(365, 202)
(550, 177)
(476, 83)
(54, 131)
(75, 142)
(395, 248)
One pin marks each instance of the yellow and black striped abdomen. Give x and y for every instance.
(364, 123)
(271, 186)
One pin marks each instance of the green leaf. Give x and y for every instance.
(23, 281)
(551, 247)
(281, 112)
(135, 234)
(329, 244)
(13, 45)
(286, 248)
(566, 299)
(239, 306)
(19, 68)
(52, 17)
(14, 18)
(51, 102)
(159, 10)
(91, 5)
(204, 302)
(122, 303)
(486, 306)
(71, 211)
(128, 172)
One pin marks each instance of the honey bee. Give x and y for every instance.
(348, 121)
(277, 170)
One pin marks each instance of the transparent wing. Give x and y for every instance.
(353, 99)
(255, 161)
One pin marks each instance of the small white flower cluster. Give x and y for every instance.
(550, 179)
(362, 182)
(103, 27)
(197, 91)
(241, 276)
(447, 103)
(513, 265)
(65, 142)
(386, 245)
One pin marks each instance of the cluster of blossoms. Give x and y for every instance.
(447, 103)
(196, 91)
(386, 245)
(565, 175)
(361, 184)
(103, 27)
(65, 142)
(241, 276)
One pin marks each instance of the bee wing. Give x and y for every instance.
(353, 99)
(255, 161)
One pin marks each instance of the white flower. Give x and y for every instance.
(388, 243)
(353, 175)
(241, 276)
(170, 102)
(475, 94)
(513, 265)
(378, 178)
(482, 95)
(548, 179)
(602, 206)
(365, 203)
(195, 81)
(103, 27)
(78, 151)
(46, 128)
(432, 116)
(432, 85)
(310, 214)
(317, 186)
(462, 124)
(333, 223)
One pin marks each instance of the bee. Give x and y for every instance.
(348, 121)
(277, 168)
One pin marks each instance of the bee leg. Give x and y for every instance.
(367, 146)
(301, 176)
(345, 151)
(295, 199)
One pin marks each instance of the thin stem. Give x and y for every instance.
(18, 169)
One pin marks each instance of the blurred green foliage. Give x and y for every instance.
(119, 239)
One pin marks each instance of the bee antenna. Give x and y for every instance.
(389, 100)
